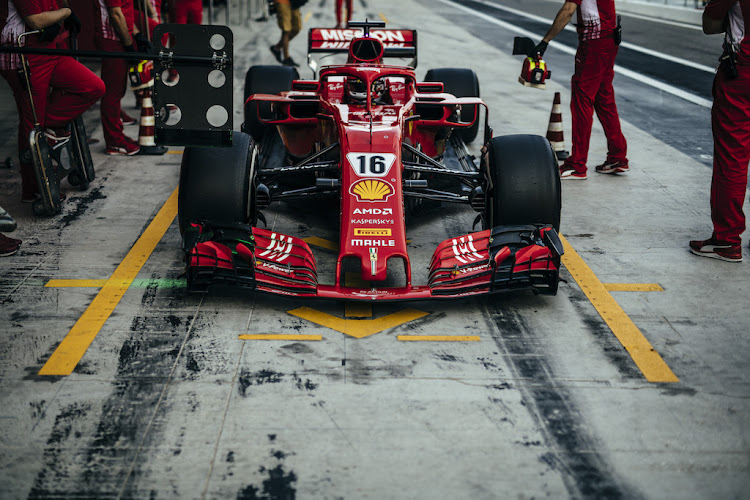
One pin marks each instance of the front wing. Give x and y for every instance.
(504, 258)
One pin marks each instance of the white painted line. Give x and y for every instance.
(627, 45)
(665, 87)
(629, 14)
(666, 57)
(663, 21)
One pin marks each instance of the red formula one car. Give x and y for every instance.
(383, 143)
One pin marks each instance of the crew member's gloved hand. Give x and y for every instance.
(538, 51)
(130, 48)
(141, 43)
(49, 33)
(72, 23)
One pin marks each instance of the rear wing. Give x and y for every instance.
(396, 43)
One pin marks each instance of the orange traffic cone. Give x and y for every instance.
(555, 130)
(146, 130)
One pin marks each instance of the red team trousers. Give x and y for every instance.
(730, 120)
(591, 90)
(187, 11)
(74, 90)
(339, 4)
(115, 76)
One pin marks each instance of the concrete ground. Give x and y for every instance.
(630, 383)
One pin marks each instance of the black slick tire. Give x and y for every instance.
(46, 176)
(81, 155)
(523, 182)
(461, 82)
(216, 184)
(264, 80)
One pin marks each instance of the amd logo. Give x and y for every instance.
(373, 211)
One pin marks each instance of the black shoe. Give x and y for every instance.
(276, 52)
(289, 62)
(7, 223)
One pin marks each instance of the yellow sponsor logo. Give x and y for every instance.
(374, 231)
(371, 190)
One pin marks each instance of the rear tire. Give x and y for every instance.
(461, 82)
(38, 208)
(217, 184)
(75, 180)
(46, 176)
(264, 80)
(523, 182)
(81, 154)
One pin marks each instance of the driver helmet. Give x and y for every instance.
(378, 89)
(356, 90)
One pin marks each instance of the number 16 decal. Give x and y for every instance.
(371, 164)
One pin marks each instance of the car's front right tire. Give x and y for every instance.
(522, 182)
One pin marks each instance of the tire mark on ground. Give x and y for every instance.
(585, 472)
(102, 459)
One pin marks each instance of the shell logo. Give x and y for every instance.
(371, 190)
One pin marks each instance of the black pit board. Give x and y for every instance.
(203, 89)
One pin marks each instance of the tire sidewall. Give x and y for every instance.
(522, 182)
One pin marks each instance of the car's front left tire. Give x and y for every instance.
(217, 184)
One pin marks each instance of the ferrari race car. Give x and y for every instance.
(382, 144)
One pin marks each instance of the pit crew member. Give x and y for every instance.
(290, 22)
(730, 121)
(591, 85)
(339, 5)
(115, 33)
(62, 88)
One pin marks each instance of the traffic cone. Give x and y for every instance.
(146, 130)
(555, 130)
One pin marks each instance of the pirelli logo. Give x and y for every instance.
(371, 231)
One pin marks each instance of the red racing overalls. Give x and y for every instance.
(730, 122)
(591, 85)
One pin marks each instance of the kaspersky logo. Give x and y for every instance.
(371, 190)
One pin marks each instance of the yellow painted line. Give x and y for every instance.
(322, 243)
(75, 283)
(172, 152)
(439, 338)
(633, 287)
(382, 16)
(280, 337)
(644, 355)
(307, 17)
(356, 309)
(76, 342)
(357, 328)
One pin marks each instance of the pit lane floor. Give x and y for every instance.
(180, 396)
